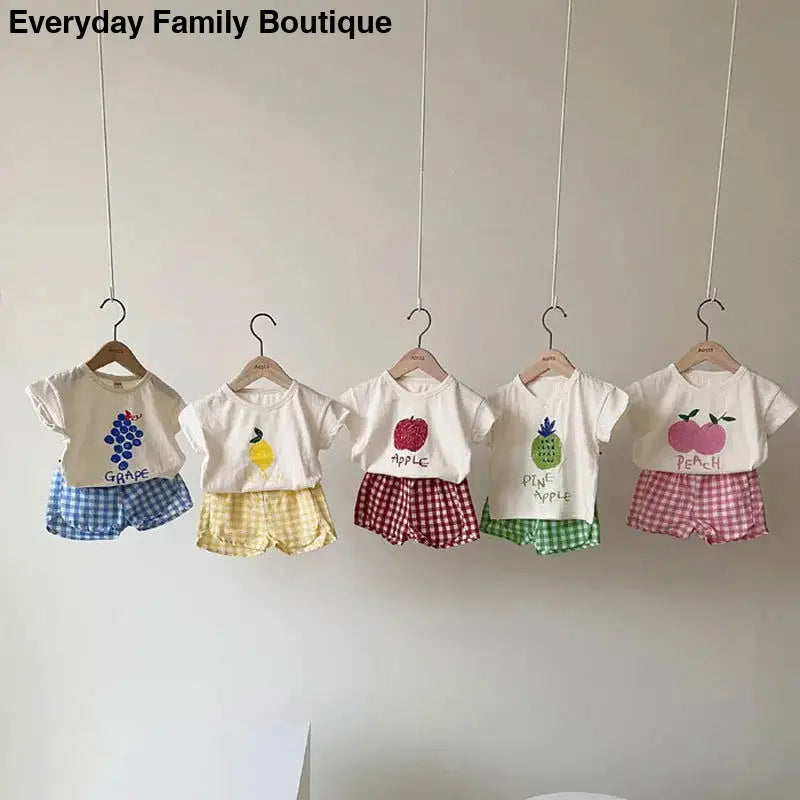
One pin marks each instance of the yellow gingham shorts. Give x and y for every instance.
(251, 523)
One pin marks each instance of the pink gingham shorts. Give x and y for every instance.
(720, 508)
(434, 512)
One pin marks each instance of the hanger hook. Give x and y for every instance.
(253, 331)
(124, 312)
(700, 308)
(427, 327)
(555, 307)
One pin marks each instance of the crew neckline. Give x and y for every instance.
(283, 396)
(712, 389)
(435, 389)
(567, 385)
(134, 381)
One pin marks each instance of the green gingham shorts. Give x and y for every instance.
(548, 536)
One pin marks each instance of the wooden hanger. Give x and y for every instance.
(418, 358)
(115, 351)
(551, 359)
(261, 366)
(713, 352)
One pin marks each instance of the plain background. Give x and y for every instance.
(279, 174)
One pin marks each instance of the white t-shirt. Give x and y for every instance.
(705, 422)
(118, 430)
(416, 427)
(545, 445)
(261, 439)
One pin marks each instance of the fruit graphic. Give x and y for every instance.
(410, 434)
(260, 451)
(711, 437)
(546, 447)
(123, 437)
(682, 435)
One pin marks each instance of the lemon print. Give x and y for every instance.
(260, 451)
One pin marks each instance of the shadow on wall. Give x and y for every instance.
(416, 779)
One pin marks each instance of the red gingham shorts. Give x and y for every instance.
(720, 508)
(436, 513)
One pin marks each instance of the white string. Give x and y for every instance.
(102, 76)
(423, 108)
(722, 152)
(553, 296)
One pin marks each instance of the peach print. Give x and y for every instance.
(712, 436)
(687, 435)
(682, 435)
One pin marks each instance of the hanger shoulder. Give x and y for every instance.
(418, 359)
(553, 360)
(261, 367)
(117, 352)
(712, 352)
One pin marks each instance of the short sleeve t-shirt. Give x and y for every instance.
(705, 422)
(118, 430)
(261, 439)
(416, 427)
(545, 445)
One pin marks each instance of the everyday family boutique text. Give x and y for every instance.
(224, 22)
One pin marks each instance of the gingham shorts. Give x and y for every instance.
(250, 523)
(720, 508)
(103, 512)
(436, 513)
(548, 536)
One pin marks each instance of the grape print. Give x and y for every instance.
(123, 437)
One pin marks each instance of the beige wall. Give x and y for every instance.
(280, 174)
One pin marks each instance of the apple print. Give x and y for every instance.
(712, 436)
(410, 434)
(683, 435)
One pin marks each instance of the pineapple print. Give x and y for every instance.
(546, 447)
(260, 451)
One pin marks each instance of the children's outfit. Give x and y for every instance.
(544, 461)
(700, 438)
(435, 512)
(117, 430)
(548, 536)
(103, 512)
(720, 508)
(120, 462)
(250, 523)
(261, 471)
(412, 438)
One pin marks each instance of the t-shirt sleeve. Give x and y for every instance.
(192, 428)
(47, 405)
(780, 408)
(333, 417)
(355, 416)
(496, 405)
(482, 424)
(177, 406)
(637, 408)
(611, 409)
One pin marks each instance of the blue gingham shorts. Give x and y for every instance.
(103, 512)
